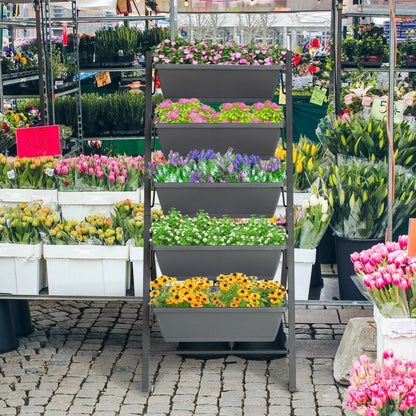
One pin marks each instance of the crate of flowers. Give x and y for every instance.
(87, 258)
(21, 231)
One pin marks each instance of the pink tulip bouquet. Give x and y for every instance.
(193, 111)
(387, 388)
(386, 275)
(98, 172)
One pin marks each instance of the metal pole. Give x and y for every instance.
(173, 18)
(337, 9)
(40, 63)
(392, 55)
(290, 224)
(147, 224)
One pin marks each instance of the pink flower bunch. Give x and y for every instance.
(193, 111)
(207, 52)
(388, 274)
(99, 172)
(385, 388)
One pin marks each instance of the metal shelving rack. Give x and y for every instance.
(149, 271)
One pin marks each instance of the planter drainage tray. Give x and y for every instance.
(240, 200)
(259, 139)
(210, 261)
(219, 83)
(219, 324)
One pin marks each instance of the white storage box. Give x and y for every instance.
(78, 205)
(397, 334)
(22, 269)
(304, 260)
(13, 197)
(136, 258)
(87, 270)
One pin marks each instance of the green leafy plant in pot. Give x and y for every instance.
(357, 190)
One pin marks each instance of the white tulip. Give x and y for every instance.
(313, 200)
(324, 206)
(305, 204)
(324, 217)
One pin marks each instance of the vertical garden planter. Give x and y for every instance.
(238, 200)
(184, 262)
(218, 324)
(219, 83)
(78, 205)
(87, 270)
(22, 269)
(259, 139)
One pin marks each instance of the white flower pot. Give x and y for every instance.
(304, 260)
(397, 334)
(13, 197)
(22, 269)
(87, 270)
(78, 205)
(136, 258)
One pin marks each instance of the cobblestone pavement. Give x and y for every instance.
(84, 359)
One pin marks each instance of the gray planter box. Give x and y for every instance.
(184, 262)
(239, 200)
(259, 139)
(219, 324)
(219, 83)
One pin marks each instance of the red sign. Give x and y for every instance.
(38, 141)
(64, 36)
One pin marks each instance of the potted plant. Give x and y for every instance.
(130, 216)
(188, 123)
(227, 183)
(385, 275)
(94, 248)
(407, 51)
(372, 50)
(194, 246)
(349, 51)
(385, 387)
(231, 71)
(241, 308)
(21, 231)
(312, 219)
(93, 184)
(357, 191)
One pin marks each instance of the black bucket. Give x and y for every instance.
(21, 317)
(8, 341)
(344, 248)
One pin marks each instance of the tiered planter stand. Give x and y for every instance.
(218, 83)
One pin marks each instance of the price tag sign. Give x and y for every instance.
(38, 141)
(318, 95)
(103, 79)
(282, 96)
(379, 110)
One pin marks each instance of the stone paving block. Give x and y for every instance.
(329, 411)
(347, 313)
(280, 410)
(313, 316)
(8, 411)
(305, 411)
(255, 410)
(316, 348)
(230, 411)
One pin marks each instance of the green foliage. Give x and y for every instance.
(357, 191)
